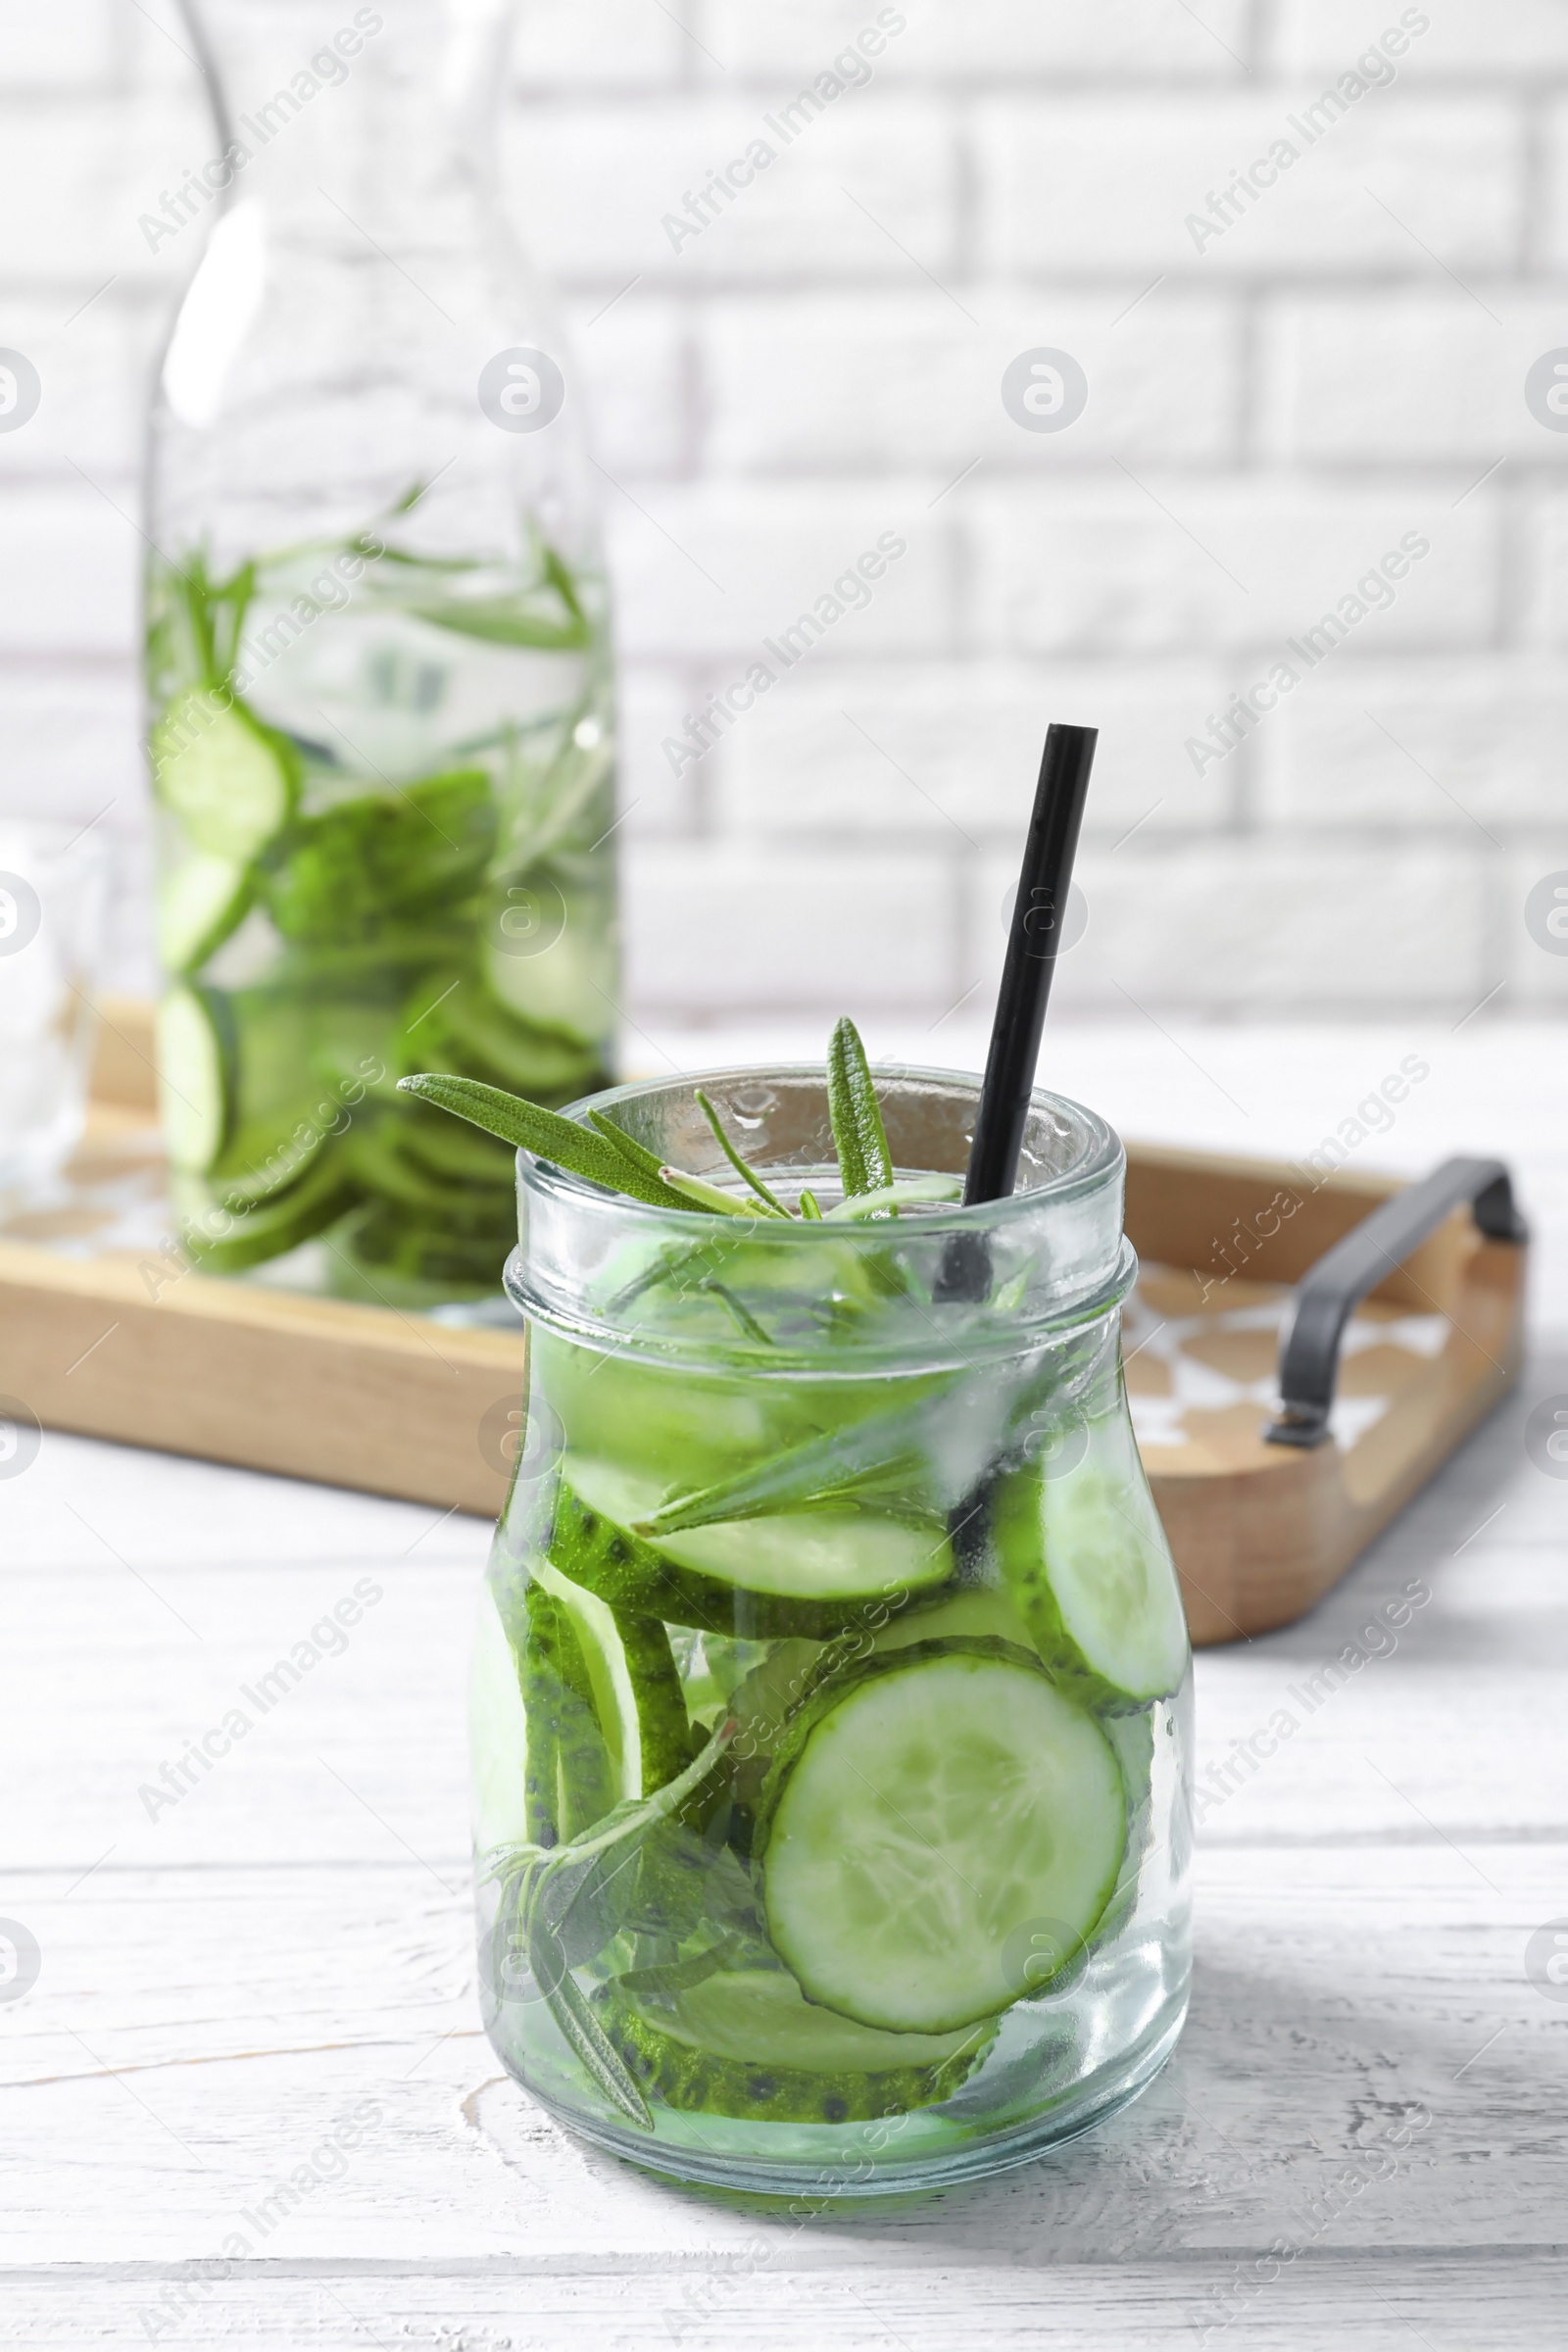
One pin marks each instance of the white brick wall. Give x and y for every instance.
(1272, 408)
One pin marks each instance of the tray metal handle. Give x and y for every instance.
(1328, 1295)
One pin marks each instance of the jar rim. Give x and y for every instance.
(1101, 1160)
(1055, 1251)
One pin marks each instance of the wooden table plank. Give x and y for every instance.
(1457, 2302)
(1359, 2018)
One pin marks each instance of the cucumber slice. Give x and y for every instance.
(346, 874)
(569, 986)
(806, 1573)
(1086, 1559)
(245, 1101)
(390, 1246)
(632, 1684)
(196, 1058)
(743, 2042)
(770, 1693)
(567, 1781)
(448, 1148)
(489, 1041)
(383, 1167)
(1133, 1739)
(631, 1414)
(979, 1615)
(199, 901)
(241, 1237)
(231, 782)
(923, 1822)
(452, 1022)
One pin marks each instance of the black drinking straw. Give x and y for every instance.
(1034, 940)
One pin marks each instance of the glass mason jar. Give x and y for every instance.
(832, 1686)
(377, 659)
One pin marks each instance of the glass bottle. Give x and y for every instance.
(381, 724)
(831, 1695)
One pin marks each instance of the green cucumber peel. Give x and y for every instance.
(747, 1175)
(636, 1573)
(788, 2069)
(545, 1133)
(537, 1867)
(860, 1139)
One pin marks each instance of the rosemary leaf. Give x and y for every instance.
(627, 1144)
(858, 1137)
(695, 1192)
(543, 1132)
(747, 1175)
(893, 1196)
(738, 1308)
(580, 2029)
(833, 1462)
(544, 1883)
(672, 1977)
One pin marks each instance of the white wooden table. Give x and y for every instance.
(1361, 2141)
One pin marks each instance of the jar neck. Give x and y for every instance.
(828, 1298)
(352, 123)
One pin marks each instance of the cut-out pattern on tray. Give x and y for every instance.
(1201, 1372)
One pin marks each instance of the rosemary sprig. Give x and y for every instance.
(540, 1886)
(605, 1154)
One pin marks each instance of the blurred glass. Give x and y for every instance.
(53, 899)
(377, 661)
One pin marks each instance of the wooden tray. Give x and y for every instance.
(125, 1345)
(121, 1343)
(1262, 1529)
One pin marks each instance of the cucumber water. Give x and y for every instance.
(383, 784)
(833, 1795)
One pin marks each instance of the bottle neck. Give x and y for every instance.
(350, 121)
